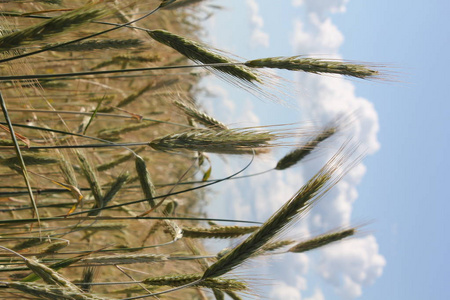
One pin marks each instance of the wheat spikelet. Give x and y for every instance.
(98, 45)
(200, 117)
(230, 141)
(115, 188)
(146, 182)
(202, 54)
(298, 154)
(113, 133)
(52, 292)
(125, 259)
(124, 59)
(178, 280)
(52, 27)
(92, 179)
(233, 295)
(28, 243)
(314, 65)
(118, 160)
(290, 211)
(218, 232)
(6, 142)
(29, 159)
(49, 275)
(277, 245)
(322, 240)
(218, 294)
(54, 247)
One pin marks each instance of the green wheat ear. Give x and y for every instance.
(314, 65)
(52, 27)
(200, 53)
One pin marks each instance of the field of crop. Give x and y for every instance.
(104, 154)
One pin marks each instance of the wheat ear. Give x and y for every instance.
(51, 27)
(218, 232)
(300, 153)
(314, 65)
(229, 141)
(179, 280)
(322, 240)
(98, 45)
(200, 117)
(200, 53)
(296, 207)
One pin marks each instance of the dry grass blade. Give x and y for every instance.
(179, 280)
(218, 232)
(322, 240)
(230, 141)
(200, 53)
(316, 187)
(298, 154)
(314, 65)
(200, 117)
(52, 26)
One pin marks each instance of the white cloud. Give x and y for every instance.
(285, 292)
(318, 295)
(351, 265)
(258, 37)
(322, 7)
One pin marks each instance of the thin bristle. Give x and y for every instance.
(314, 65)
(322, 240)
(200, 53)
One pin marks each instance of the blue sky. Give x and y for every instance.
(403, 125)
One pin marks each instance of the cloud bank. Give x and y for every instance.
(258, 36)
